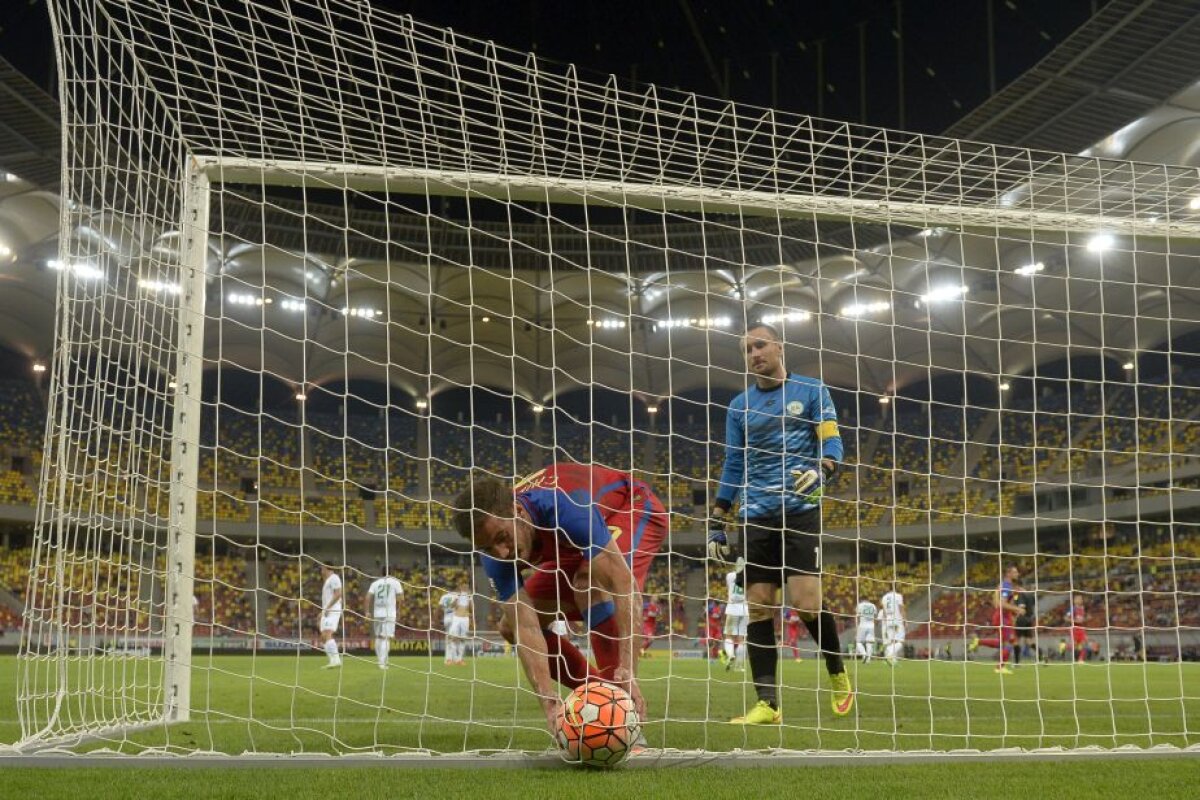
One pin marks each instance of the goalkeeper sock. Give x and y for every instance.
(824, 631)
(764, 659)
(567, 665)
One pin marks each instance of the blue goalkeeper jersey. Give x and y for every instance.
(769, 433)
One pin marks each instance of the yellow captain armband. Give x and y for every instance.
(827, 430)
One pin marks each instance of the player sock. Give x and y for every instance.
(331, 650)
(603, 634)
(381, 650)
(764, 659)
(739, 654)
(824, 632)
(729, 648)
(993, 642)
(567, 665)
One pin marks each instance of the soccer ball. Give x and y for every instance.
(598, 725)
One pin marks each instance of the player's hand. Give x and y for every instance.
(809, 484)
(552, 706)
(718, 541)
(624, 678)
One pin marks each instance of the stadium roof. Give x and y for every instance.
(1125, 61)
(886, 306)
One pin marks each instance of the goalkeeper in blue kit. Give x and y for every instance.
(782, 447)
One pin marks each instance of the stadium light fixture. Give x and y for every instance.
(39, 366)
(422, 404)
(925, 233)
(10, 177)
(292, 304)
(244, 299)
(301, 396)
(5, 250)
(538, 408)
(855, 310)
(485, 318)
(651, 409)
(1030, 269)
(164, 287)
(943, 294)
(1004, 386)
(1194, 204)
(1101, 242)
(692, 322)
(787, 316)
(172, 385)
(1127, 366)
(884, 400)
(80, 269)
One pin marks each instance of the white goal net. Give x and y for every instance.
(320, 265)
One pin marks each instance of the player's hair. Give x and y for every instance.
(485, 497)
(758, 323)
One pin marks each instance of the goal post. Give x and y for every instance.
(320, 264)
(185, 445)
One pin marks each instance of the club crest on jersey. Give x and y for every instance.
(795, 408)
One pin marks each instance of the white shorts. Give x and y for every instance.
(893, 633)
(459, 627)
(331, 620)
(383, 629)
(735, 624)
(865, 633)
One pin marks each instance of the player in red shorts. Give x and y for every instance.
(650, 614)
(1076, 616)
(588, 534)
(791, 628)
(715, 630)
(1003, 614)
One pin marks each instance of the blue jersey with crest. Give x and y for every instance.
(769, 433)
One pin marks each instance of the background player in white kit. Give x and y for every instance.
(459, 628)
(447, 602)
(864, 635)
(383, 593)
(331, 614)
(737, 616)
(891, 618)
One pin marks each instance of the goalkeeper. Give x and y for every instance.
(782, 447)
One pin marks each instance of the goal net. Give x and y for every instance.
(320, 265)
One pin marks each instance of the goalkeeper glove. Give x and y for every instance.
(718, 541)
(809, 484)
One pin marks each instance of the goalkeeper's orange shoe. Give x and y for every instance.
(843, 694)
(761, 714)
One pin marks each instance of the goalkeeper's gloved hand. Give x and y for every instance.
(718, 541)
(809, 484)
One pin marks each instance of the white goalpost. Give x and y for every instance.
(320, 265)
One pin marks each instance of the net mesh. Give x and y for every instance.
(413, 257)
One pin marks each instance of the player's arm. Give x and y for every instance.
(732, 478)
(733, 472)
(1004, 604)
(610, 572)
(531, 650)
(808, 484)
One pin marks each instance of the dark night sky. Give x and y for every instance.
(725, 48)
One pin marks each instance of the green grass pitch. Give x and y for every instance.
(288, 704)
